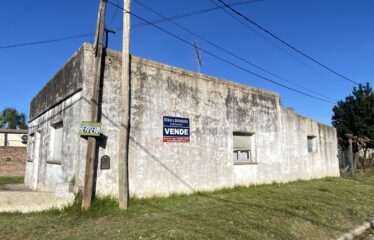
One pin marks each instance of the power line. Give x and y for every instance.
(114, 15)
(222, 59)
(195, 13)
(134, 26)
(47, 41)
(229, 52)
(286, 43)
(203, 50)
(249, 27)
(119, 29)
(24, 13)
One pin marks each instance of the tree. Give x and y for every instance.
(10, 118)
(354, 117)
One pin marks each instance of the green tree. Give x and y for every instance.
(354, 116)
(10, 118)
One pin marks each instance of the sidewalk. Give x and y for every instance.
(18, 198)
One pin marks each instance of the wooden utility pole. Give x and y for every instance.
(91, 145)
(123, 179)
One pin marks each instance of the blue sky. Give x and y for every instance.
(338, 33)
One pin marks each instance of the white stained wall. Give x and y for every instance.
(216, 109)
(13, 139)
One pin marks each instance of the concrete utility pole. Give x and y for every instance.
(91, 145)
(350, 156)
(123, 179)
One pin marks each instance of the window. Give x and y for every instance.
(56, 143)
(311, 144)
(31, 147)
(243, 148)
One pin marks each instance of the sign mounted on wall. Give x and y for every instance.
(90, 129)
(176, 129)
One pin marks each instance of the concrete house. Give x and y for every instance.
(188, 132)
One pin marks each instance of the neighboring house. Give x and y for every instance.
(189, 132)
(13, 144)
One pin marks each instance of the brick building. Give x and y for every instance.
(13, 144)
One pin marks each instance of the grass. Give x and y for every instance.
(9, 180)
(317, 209)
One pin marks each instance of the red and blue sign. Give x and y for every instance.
(176, 129)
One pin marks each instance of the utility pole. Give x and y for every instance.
(123, 179)
(107, 31)
(91, 145)
(350, 155)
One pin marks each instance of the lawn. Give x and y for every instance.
(317, 209)
(9, 180)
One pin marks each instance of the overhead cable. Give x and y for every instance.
(222, 59)
(286, 43)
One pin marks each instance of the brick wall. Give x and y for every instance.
(12, 161)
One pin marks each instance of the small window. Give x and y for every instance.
(31, 147)
(57, 141)
(243, 148)
(311, 144)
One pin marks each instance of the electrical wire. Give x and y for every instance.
(114, 14)
(220, 58)
(286, 43)
(185, 41)
(47, 41)
(195, 13)
(23, 14)
(229, 52)
(250, 28)
(119, 29)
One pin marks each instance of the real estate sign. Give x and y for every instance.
(176, 129)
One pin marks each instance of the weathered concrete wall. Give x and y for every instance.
(216, 108)
(298, 163)
(49, 171)
(71, 110)
(106, 180)
(61, 100)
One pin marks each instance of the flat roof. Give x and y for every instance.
(17, 131)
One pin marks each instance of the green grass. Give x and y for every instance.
(9, 180)
(317, 209)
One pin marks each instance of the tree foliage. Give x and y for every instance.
(10, 118)
(354, 116)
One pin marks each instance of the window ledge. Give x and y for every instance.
(56, 162)
(245, 163)
(29, 160)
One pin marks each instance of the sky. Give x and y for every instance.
(338, 33)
